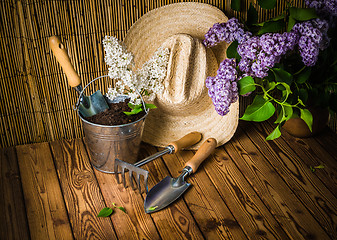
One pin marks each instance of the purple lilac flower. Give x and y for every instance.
(229, 31)
(223, 88)
(312, 37)
(323, 7)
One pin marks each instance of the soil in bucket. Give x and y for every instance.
(115, 115)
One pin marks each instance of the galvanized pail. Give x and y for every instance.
(106, 143)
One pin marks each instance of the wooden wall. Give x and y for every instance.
(36, 104)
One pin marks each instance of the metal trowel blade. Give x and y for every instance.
(90, 106)
(163, 194)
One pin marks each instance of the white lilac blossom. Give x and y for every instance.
(148, 80)
(153, 72)
(223, 88)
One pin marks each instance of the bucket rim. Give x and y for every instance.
(111, 126)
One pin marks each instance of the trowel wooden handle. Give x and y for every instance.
(186, 141)
(62, 57)
(203, 152)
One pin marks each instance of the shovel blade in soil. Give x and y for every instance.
(90, 106)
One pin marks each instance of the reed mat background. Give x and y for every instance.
(36, 104)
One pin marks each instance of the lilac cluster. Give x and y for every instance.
(223, 88)
(259, 54)
(323, 7)
(228, 31)
(312, 38)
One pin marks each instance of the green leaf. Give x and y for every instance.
(236, 5)
(303, 76)
(273, 26)
(131, 105)
(307, 117)
(282, 76)
(267, 4)
(303, 94)
(105, 212)
(232, 51)
(153, 208)
(302, 14)
(291, 23)
(274, 134)
(246, 85)
(150, 106)
(134, 111)
(285, 114)
(260, 110)
(321, 166)
(120, 208)
(252, 15)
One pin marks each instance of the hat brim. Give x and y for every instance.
(148, 34)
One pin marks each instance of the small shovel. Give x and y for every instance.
(173, 147)
(170, 189)
(89, 106)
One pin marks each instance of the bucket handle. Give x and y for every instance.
(82, 91)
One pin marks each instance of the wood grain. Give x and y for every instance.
(203, 200)
(306, 185)
(46, 212)
(13, 218)
(272, 188)
(135, 223)
(175, 221)
(245, 204)
(81, 192)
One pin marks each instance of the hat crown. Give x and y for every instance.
(189, 65)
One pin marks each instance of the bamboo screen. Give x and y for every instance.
(36, 104)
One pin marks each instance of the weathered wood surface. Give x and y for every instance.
(247, 189)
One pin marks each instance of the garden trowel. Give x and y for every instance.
(170, 189)
(173, 147)
(88, 106)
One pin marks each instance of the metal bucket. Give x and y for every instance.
(106, 143)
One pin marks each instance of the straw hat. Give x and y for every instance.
(184, 105)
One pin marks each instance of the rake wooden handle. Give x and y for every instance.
(62, 57)
(203, 152)
(186, 141)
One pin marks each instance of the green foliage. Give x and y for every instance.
(236, 5)
(252, 16)
(246, 85)
(271, 26)
(313, 169)
(290, 85)
(302, 14)
(106, 212)
(138, 108)
(307, 117)
(267, 4)
(232, 51)
(274, 134)
(260, 110)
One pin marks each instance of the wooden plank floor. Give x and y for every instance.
(248, 189)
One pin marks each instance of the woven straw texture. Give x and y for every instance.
(36, 104)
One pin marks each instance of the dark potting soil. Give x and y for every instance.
(115, 115)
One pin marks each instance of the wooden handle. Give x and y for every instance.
(62, 57)
(203, 152)
(186, 141)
